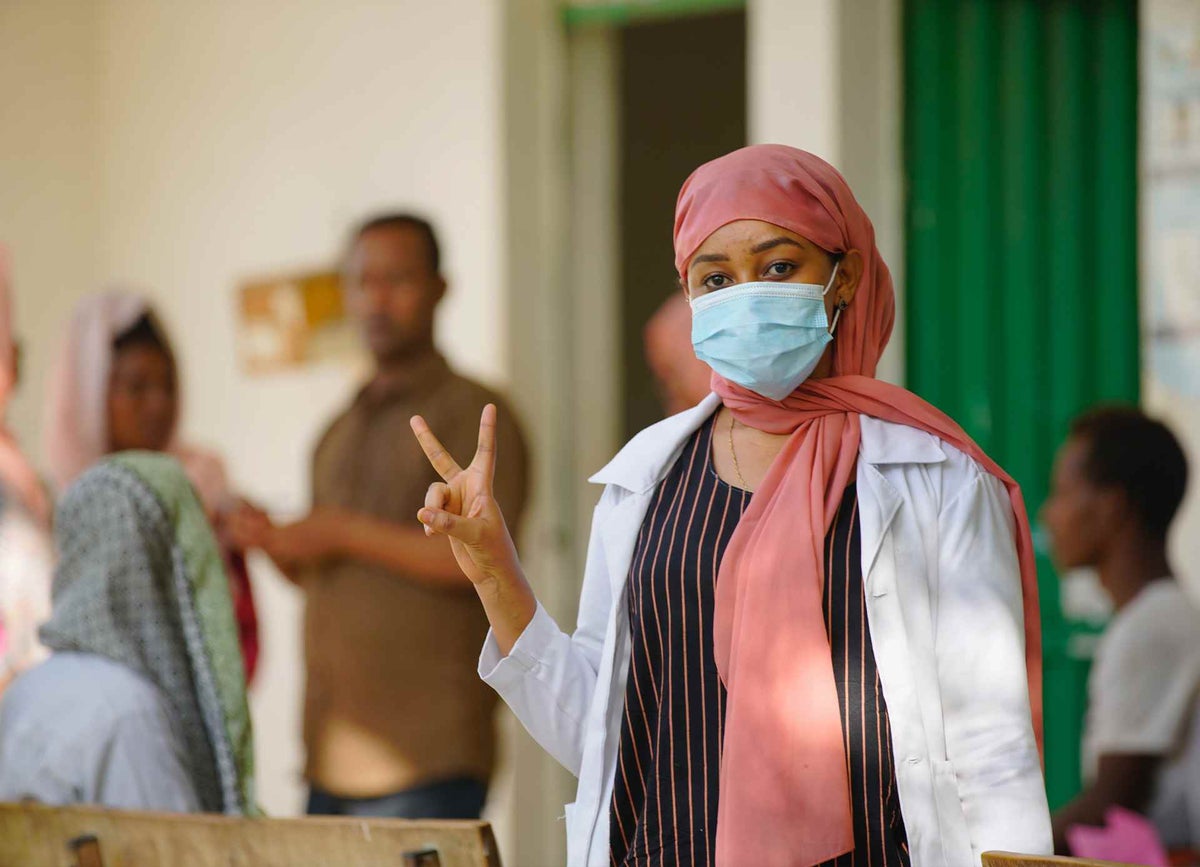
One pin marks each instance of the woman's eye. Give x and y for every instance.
(780, 269)
(717, 281)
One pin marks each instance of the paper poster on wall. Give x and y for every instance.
(1171, 193)
(293, 320)
(1173, 309)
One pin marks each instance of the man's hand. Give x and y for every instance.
(290, 546)
(246, 526)
(307, 541)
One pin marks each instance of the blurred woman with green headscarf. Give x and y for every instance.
(142, 703)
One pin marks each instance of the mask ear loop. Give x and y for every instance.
(837, 314)
(842, 305)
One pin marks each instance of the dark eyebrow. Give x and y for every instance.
(710, 257)
(757, 248)
(774, 242)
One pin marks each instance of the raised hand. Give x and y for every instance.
(463, 507)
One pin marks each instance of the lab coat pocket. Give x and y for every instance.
(956, 839)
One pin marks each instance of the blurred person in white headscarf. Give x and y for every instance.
(116, 387)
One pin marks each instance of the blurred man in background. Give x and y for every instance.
(396, 722)
(1118, 481)
(682, 379)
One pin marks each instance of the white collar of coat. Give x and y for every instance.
(646, 459)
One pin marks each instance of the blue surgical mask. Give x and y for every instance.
(767, 337)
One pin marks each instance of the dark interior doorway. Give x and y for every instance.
(682, 102)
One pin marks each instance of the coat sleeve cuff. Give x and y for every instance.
(498, 670)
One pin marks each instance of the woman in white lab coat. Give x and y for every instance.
(808, 627)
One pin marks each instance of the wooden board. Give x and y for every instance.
(38, 836)
(1008, 859)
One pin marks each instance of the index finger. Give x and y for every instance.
(446, 466)
(485, 454)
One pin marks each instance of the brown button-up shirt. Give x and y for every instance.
(393, 699)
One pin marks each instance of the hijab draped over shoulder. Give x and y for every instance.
(785, 797)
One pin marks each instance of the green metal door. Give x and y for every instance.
(1021, 157)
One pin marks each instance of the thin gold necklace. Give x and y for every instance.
(736, 468)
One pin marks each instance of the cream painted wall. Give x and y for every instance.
(47, 177)
(243, 138)
(238, 139)
(794, 92)
(184, 147)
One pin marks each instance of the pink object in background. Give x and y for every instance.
(16, 474)
(1127, 838)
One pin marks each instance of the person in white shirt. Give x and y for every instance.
(808, 629)
(1118, 481)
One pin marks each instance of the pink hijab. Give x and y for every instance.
(785, 796)
(76, 428)
(15, 471)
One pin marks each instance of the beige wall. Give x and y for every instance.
(241, 138)
(183, 147)
(47, 176)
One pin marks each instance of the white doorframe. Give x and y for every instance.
(594, 276)
(557, 368)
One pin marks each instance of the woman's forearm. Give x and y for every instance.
(510, 604)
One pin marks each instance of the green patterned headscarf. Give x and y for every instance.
(140, 581)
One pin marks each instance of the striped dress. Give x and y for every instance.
(664, 806)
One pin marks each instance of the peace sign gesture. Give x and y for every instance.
(463, 506)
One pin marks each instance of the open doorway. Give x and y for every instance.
(681, 101)
(650, 99)
(594, 167)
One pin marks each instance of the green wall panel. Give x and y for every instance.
(1021, 157)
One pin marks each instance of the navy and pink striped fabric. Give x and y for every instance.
(664, 807)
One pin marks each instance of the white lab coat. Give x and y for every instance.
(944, 607)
